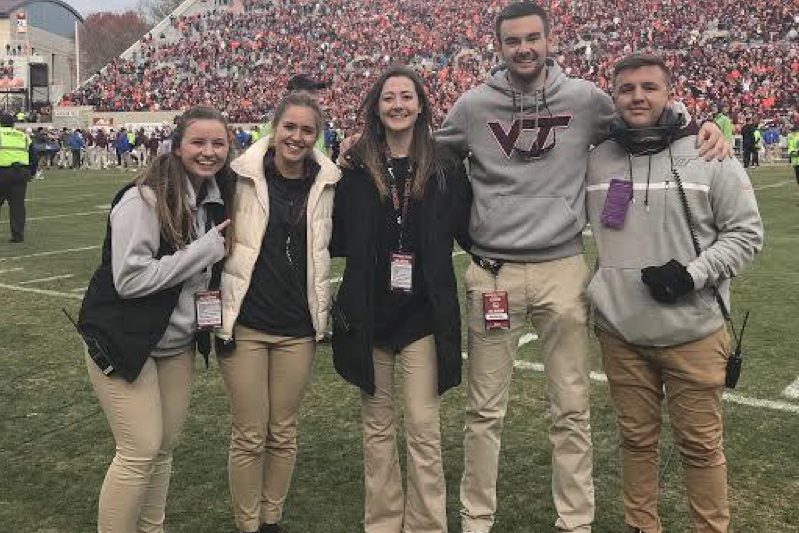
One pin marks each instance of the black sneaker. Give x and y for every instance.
(16, 239)
(271, 528)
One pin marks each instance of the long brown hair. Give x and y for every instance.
(166, 176)
(371, 148)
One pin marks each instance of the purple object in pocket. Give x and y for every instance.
(620, 193)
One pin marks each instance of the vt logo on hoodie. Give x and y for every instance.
(544, 125)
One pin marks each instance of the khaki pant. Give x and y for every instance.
(548, 294)
(386, 510)
(146, 418)
(772, 152)
(98, 157)
(265, 378)
(692, 375)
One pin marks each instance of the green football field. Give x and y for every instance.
(55, 444)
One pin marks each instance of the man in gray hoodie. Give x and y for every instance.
(659, 302)
(527, 131)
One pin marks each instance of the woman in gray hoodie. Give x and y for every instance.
(138, 318)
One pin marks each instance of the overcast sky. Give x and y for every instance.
(86, 7)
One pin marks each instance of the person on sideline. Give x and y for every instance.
(162, 250)
(658, 296)
(793, 150)
(276, 296)
(122, 147)
(398, 207)
(18, 162)
(724, 123)
(749, 140)
(77, 146)
(527, 131)
(306, 84)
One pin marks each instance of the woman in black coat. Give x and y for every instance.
(398, 208)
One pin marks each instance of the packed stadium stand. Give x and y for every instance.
(238, 54)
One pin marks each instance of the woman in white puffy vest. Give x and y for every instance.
(275, 292)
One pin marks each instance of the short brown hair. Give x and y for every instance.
(638, 60)
(519, 10)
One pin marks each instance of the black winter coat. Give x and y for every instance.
(440, 216)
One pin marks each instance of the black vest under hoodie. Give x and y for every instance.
(131, 327)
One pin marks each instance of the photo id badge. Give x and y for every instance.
(401, 277)
(495, 310)
(208, 307)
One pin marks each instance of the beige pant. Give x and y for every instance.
(265, 378)
(146, 418)
(693, 377)
(550, 295)
(424, 508)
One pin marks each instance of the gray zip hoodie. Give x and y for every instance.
(528, 209)
(727, 224)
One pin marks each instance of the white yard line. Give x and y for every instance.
(527, 338)
(54, 252)
(66, 198)
(42, 280)
(731, 397)
(82, 181)
(41, 291)
(774, 185)
(67, 215)
(79, 289)
(762, 404)
(792, 390)
(10, 270)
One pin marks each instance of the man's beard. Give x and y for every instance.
(531, 76)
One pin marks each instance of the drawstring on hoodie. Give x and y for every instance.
(648, 178)
(521, 104)
(630, 168)
(543, 91)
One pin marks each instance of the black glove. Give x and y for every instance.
(668, 282)
(222, 347)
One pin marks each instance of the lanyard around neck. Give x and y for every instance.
(401, 211)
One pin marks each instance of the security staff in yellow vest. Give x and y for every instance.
(15, 171)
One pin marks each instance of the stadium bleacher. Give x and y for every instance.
(238, 57)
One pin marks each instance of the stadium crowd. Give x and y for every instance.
(238, 57)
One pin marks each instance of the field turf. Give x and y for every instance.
(55, 444)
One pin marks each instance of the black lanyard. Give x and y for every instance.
(295, 226)
(400, 211)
